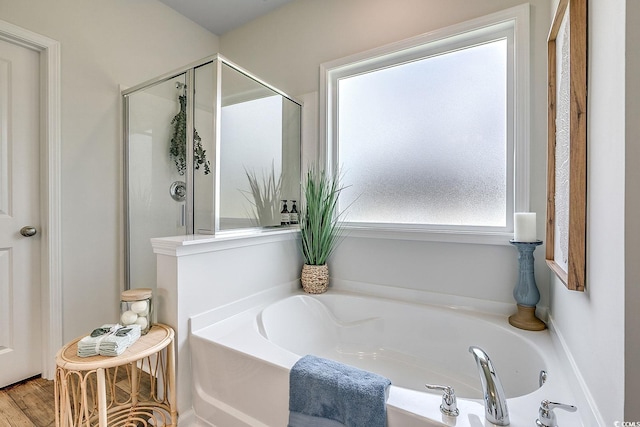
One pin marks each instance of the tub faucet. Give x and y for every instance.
(495, 401)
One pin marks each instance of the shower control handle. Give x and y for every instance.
(178, 191)
(546, 416)
(449, 404)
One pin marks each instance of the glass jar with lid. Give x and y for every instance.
(136, 307)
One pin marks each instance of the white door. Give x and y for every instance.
(20, 335)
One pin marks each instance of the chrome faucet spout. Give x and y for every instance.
(495, 401)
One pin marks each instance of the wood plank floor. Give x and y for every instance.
(28, 404)
(31, 403)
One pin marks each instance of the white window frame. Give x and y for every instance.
(514, 21)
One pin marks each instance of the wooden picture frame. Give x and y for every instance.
(567, 144)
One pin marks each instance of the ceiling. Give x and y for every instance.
(221, 16)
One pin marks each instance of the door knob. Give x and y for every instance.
(28, 231)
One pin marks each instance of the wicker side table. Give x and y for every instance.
(85, 387)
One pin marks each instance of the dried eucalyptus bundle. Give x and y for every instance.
(178, 145)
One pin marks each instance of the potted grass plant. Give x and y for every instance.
(320, 228)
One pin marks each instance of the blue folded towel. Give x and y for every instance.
(326, 393)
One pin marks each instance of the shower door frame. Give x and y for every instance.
(189, 72)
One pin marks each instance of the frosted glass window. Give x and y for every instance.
(432, 134)
(425, 142)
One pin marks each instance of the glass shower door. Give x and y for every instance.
(156, 168)
(208, 149)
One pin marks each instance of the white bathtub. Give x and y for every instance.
(241, 363)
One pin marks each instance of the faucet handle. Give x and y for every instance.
(449, 403)
(546, 416)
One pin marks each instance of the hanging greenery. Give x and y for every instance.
(178, 146)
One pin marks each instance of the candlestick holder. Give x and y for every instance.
(526, 291)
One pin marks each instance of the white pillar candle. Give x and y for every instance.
(524, 224)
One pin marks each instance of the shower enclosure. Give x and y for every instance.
(209, 149)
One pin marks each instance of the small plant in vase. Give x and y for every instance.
(320, 228)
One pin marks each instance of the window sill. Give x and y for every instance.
(445, 236)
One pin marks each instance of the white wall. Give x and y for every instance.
(593, 323)
(632, 213)
(286, 49)
(104, 44)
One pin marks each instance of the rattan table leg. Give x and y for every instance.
(62, 400)
(172, 384)
(134, 383)
(102, 398)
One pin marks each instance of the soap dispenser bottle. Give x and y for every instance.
(284, 214)
(293, 215)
